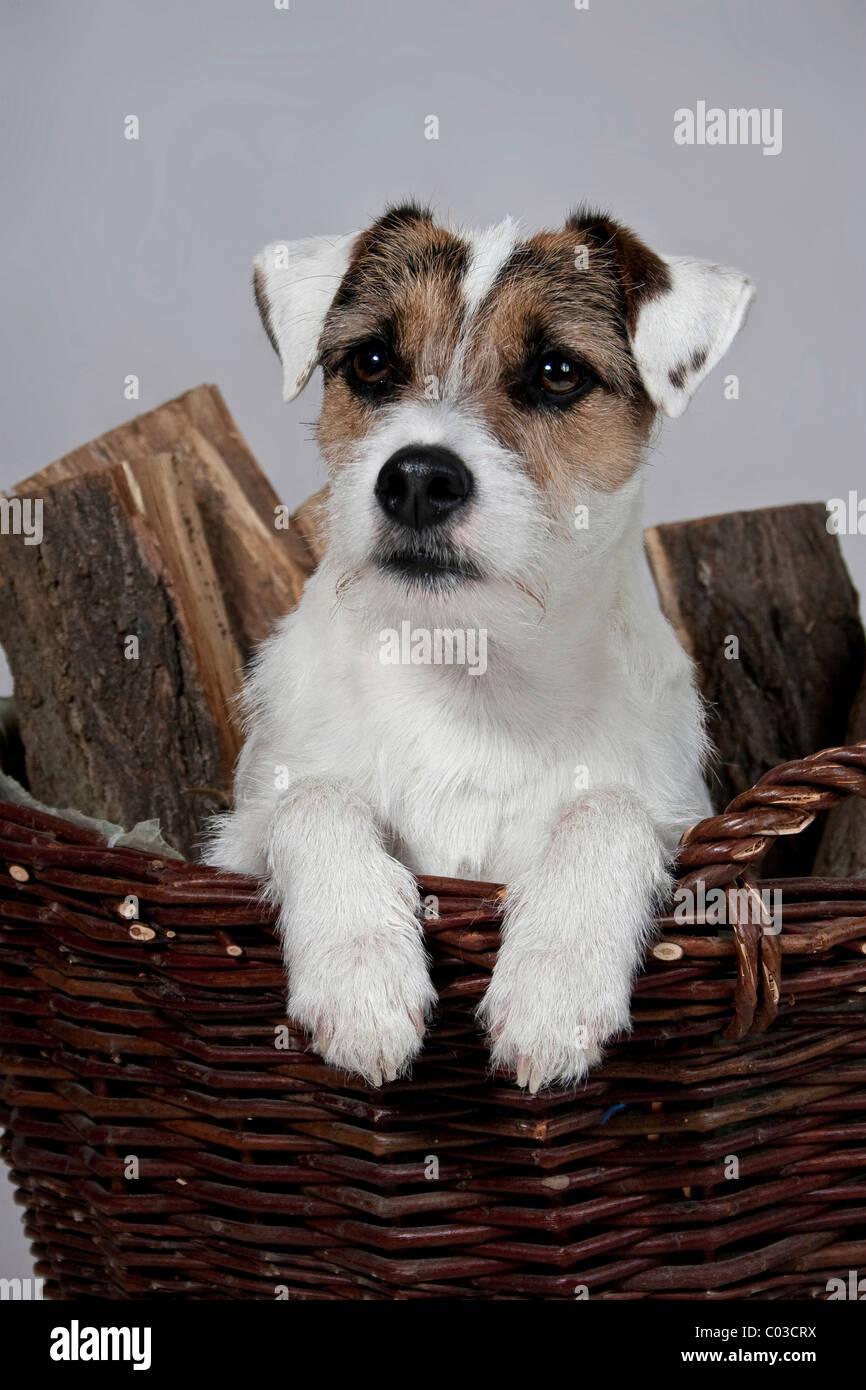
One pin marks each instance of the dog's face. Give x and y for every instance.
(477, 386)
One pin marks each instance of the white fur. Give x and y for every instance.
(490, 250)
(568, 770)
(702, 312)
(300, 279)
(370, 950)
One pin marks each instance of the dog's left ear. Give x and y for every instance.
(682, 331)
(295, 283)
(682, 315)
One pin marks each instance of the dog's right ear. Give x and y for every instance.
(295, 283)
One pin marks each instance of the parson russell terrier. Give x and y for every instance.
(488, 397)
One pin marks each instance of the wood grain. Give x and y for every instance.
(842, 851)
(162, 531)
(763, 603)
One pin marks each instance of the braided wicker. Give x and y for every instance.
(171, 1136)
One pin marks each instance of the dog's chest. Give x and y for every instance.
(455, 805)
(458, 790)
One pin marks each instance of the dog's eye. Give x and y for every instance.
(371, 364)
(553, 379)
(559, 375)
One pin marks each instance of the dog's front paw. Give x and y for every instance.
(548, 1018)
(364, 1002)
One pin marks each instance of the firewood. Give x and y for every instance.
(128, 626)
(262, 563)
(763, 603)
(308, 523)
(842, 851)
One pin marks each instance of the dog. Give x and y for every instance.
(488, 401)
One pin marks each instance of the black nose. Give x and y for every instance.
(423, 485)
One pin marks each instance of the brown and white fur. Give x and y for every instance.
(568, 769)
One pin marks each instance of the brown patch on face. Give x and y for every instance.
(599, 445)
(578, 291)
(564, 291)
(403, 289)
(641, 273)
(345, 419)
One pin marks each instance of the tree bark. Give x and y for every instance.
(128, 626)
(309, 524)
(842, 851)
(261, 567)
(763, 603)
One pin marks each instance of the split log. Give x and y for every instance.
(261, 565)
(842, 851)
(763, 603)
(309, 524)
(128, 626)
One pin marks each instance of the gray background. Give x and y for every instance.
(257, 124)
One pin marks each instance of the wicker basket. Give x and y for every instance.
(165, 1144)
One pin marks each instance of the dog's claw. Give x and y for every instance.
(535, 1080)
(417, 1022)
(522, 1070)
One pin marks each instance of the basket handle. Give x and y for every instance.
(722, 852)
(784, 802)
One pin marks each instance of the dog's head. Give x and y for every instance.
(478, 386)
